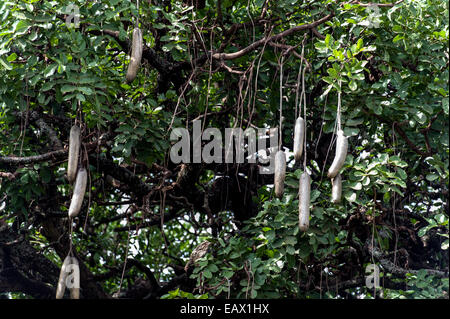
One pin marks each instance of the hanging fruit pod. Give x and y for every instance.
(341, 154)
(280, 173)
(336, 189)
(75, 284)
(74, 151)
(78, 193)
(137, 47)
(304, 201)
(299, 134)
(61, 287)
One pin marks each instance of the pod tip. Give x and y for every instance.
(303, 227)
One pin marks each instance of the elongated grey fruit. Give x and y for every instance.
(341, 154)
(304, 201)
(137, 47)
(61, 287)
(78, 193)
(75, 289)
(280, 173)
(336, 189)
(299, 134)
(74, 151)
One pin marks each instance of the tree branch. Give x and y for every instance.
(161, 65)
(23, 268)
(398, 271)
(54, 155)
(408, 141)
(130, 263)
(123, 175)
(372, 4)
(256, 44)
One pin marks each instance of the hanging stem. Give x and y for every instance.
(70, 237)
(281, 101)
(297, 104)
(338, 116)
(137, 18)
(304, 117)
(126, 254)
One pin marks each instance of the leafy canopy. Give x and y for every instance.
(391, 65)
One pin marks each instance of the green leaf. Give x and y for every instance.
(80, 97)
(327, 40)
(445, 105)
(290, 240)
(12, 57)
(47, 86)
(350, 196)
(354, 122)
(314, 195)
(290, 250)
(432, 177)
(5, 64)
(422, 232)
(398, 37)
(387, 197)
(356, 186)
(85, 90)
(333, 73)
(401, 173)
(35, 79)
(213, 268)
(50, 70)
(359, 44)
(397, 161)
(68, 88)
(351, 131)
(399, 182)
(228, 274)
(21, 27)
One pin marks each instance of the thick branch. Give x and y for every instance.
(23, 268)
(398, 271)
(254, 45)
(130, 263)
(56, 143)
(408, 141)
(149, 54)
(8, 175)
(50, 156)
(156, 221)
(55, 155)
(399, 130)
(123, 175)
(175, 282)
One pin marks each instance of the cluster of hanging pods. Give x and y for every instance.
(69, 275)
(70, 272)
(305, 178)
(299, 149)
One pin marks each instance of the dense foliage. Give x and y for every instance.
(144, 215)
